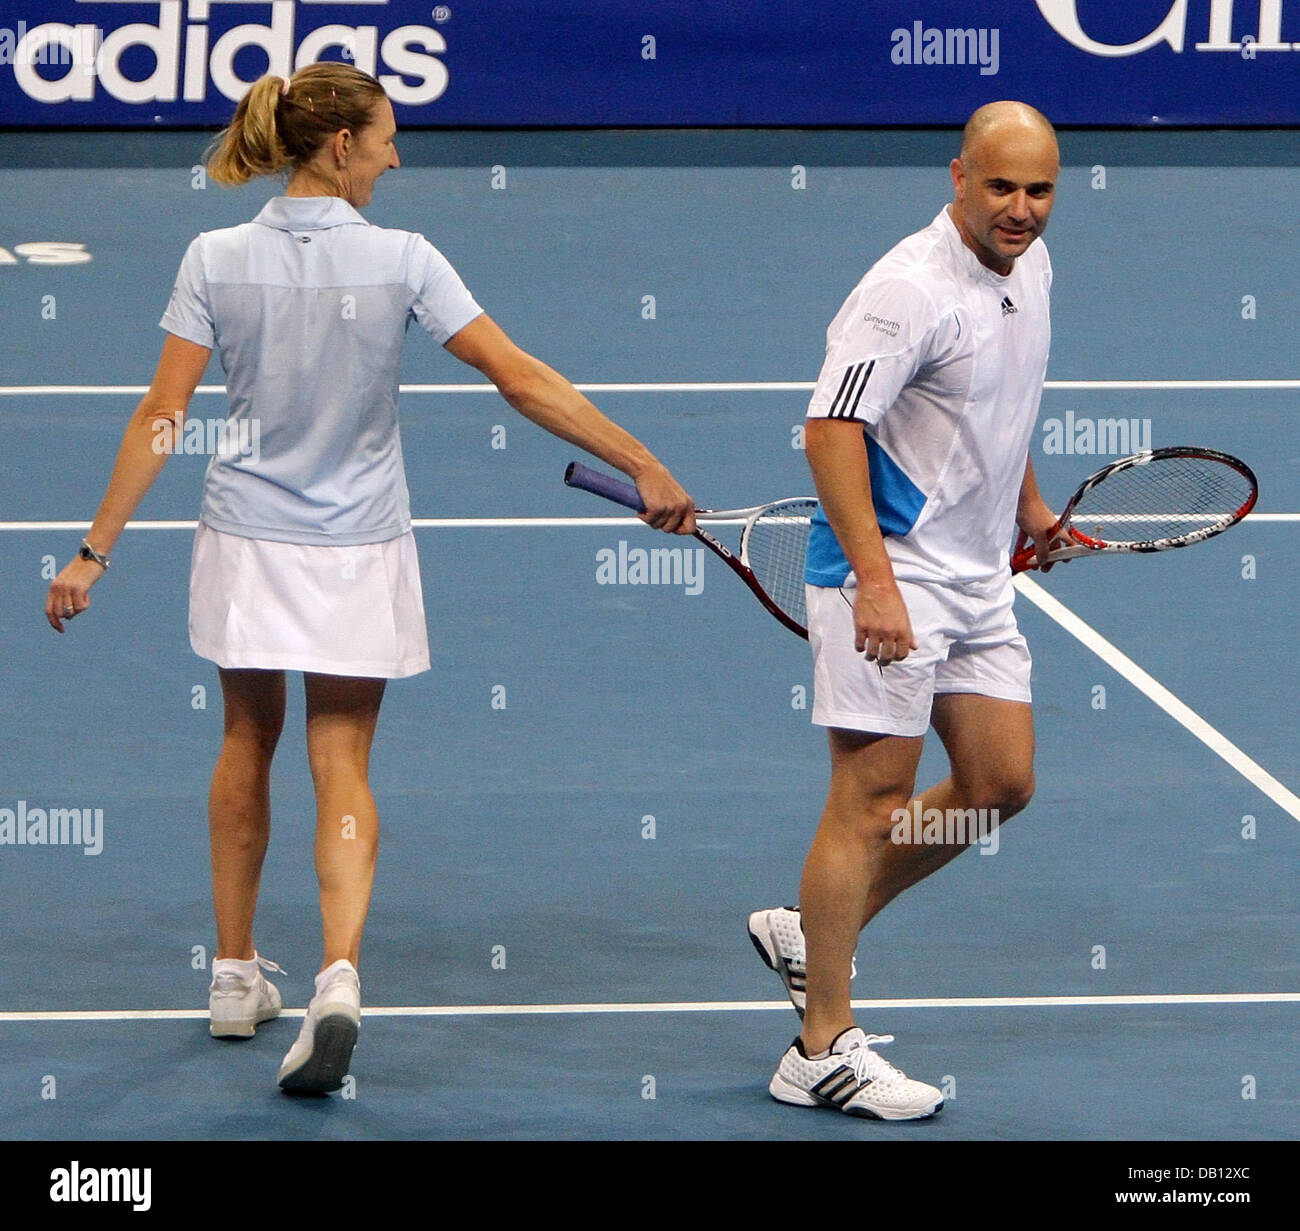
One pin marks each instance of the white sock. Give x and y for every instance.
(327, 975)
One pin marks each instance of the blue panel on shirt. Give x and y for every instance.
(898, 503)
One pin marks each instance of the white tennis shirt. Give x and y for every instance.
(942, 361)
(307, 307)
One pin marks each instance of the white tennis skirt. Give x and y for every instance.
(356, 611)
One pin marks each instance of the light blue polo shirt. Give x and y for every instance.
(307, 307)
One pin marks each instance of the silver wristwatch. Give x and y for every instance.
(89, 553)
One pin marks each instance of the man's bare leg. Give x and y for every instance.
(871, 776)
(990, 746)
(854, 868)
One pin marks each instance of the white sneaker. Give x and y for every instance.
(318, 1061)
(853, 1079)
(778, 937)
(240, 997)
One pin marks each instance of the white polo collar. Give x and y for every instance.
(308, 214)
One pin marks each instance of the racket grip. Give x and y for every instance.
(578, 475)
(1024, 560)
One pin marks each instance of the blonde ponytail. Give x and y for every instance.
(274, 128)
(252, 145)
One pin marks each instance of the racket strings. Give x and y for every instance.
(1167, 498)
(775, 546)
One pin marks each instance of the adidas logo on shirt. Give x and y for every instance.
(845, 405)
(1007, 306)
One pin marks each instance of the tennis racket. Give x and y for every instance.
(1152, 501)
(773, 542)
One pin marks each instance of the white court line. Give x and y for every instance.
(695, 386)
(701, 1006)
(473, 523)
(736, 386)
(1157, 692)
(420, 523)
(1167, 385)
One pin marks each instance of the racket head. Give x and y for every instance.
(774, 547)
(1155, 500)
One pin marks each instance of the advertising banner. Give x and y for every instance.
(612, 63)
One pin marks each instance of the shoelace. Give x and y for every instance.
(228, 981)
(867, 1065)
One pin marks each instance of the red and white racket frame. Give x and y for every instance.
(1081, 544)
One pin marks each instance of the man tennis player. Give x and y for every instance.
(304, 557)
(918, 439)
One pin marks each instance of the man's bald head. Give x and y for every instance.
(1000, 121)
(1004, 182)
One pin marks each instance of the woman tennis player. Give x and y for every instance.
(304, 558)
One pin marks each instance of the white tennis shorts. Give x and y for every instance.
(356, 611)
(965, 644)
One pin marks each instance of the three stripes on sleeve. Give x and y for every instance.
(845, 405)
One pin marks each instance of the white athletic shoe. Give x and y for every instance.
(318, 1061)
(240, 997)
(853, 1079)
(778, 937)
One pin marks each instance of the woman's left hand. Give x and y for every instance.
(70, 592)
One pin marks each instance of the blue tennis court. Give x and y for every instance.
(597, 783)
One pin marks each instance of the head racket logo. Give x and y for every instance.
(193, 45)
